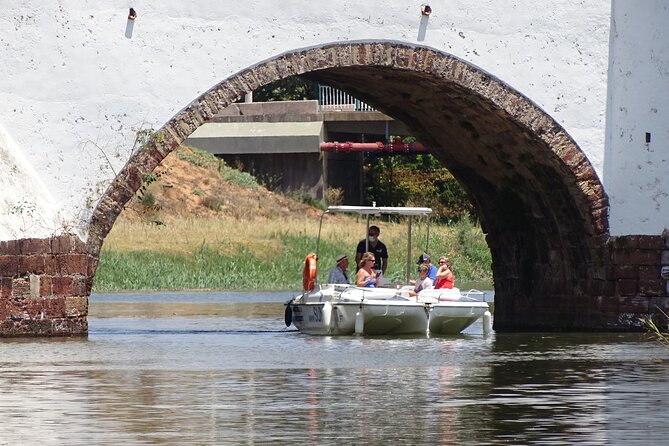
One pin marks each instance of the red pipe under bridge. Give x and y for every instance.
(396, 146)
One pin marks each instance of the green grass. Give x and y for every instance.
(277, 263)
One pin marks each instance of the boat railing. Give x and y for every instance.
(473, 295)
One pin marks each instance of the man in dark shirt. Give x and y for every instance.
(376, 247)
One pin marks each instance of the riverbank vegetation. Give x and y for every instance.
(197, 223)
(267, 254)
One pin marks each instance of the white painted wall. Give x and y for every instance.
(636, 174)
(74, 89)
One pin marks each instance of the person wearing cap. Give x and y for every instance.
(376, 247)
(432, 270)
(339, 273)
(423, 282)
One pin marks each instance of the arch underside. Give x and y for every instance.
(538, 198)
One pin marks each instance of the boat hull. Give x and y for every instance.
(452, 317)
(333, 311)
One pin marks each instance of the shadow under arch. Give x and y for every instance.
(541, 204)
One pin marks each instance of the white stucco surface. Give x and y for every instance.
(75, 86)
(637, 173)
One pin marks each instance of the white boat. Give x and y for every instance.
(347, 309)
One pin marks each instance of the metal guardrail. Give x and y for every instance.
(331, 99)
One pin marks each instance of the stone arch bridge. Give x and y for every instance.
(570, 251)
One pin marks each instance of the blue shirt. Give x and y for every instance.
(432, 273)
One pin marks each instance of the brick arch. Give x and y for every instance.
(540, 201)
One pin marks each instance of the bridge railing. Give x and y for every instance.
(331, 99)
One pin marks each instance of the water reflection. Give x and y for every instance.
(208, 370)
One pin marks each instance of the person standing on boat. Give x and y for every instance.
(423, 282)
(366, 276)
(339, 274)
(445, 276)
(376, 247)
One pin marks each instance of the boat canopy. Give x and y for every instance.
(374, 210)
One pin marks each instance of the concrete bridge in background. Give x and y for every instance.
(551, 115)
(281, 140)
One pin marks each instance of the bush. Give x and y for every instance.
(196, 157)
(244, 179)
(148, 200)
(213, 203)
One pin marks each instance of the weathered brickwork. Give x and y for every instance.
(635, 274)
(44, 287)
(539, 199)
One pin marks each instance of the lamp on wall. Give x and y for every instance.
(425, 10)
(132, 15)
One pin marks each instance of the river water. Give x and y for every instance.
(221, 368)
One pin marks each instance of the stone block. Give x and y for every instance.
(62, 286)
(66, 244)
(626, 287)
(651, 287)
(9, 308)
(624, 272)
(635, 256)
(46, 289)
(76, 306)
(9, 265)
(633, 304)
(31, 246)
(71, 326)
(133, 177)
(31, 264)
(5, 287)
(652, 242)
(45, 307)
(34, 285)
(20, 288)
(73, 264)
(649, 272)
(51, 265)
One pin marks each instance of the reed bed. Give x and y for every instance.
(268, 254)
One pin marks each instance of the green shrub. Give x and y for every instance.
(305, 197)
(148, 200)
(196, 156)
(235, 176)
